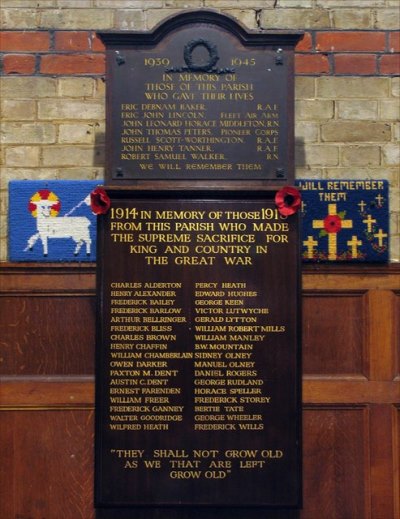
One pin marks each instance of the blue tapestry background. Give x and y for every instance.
(345, 220)
(23, 226)
(342, 220)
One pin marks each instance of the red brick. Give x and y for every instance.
(351, 41)
(19, 64)
(305, 44)
(394, 42)
(24, 41)
(390, 64)
(355, 64)
(75, 64)
(311, 64)
(72, 40)
(97, 44)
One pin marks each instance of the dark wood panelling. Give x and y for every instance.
(383, 341)
(396, 333)
(381, 461)
(346, 277)
(22, 278)
(52, 335)
(49, 392)
(351, 391)
(396, 459)
(335, 442)
(333, 328)
(47, 464)
(320, 390)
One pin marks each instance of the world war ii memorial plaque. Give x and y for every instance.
(200, 100)
(197, 366)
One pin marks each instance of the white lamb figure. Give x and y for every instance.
(76, 227)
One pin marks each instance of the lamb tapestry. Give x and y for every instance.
(51, 220)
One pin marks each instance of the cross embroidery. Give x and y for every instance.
(362, 205)
(369, 221)
(354, 244)
(380, 235)
(332, 225)
(310, 243)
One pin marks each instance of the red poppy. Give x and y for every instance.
(99, 201)
(332, 223)
(288, 200)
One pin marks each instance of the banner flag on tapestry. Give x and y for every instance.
(51, 220)
(345, 220)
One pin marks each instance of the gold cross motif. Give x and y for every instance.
(332, 236)
(380, 235)
(362, 205)
(380, 199)
(310, 243)
(354, 243)
(369, 221)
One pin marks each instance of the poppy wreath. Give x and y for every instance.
(99, 201)
(288, 200)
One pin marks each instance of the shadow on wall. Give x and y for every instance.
(300, 155)
(99, 148)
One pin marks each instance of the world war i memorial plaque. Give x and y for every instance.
(197, 368)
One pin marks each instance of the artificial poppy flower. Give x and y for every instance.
(288, 200)
(332, 223)
(99, 201)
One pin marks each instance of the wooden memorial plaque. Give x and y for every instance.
(200, 97)
(198, 371)
(198, 395)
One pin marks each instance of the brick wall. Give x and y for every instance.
(347, 85)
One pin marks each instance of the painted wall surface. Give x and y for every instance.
(347, 86)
